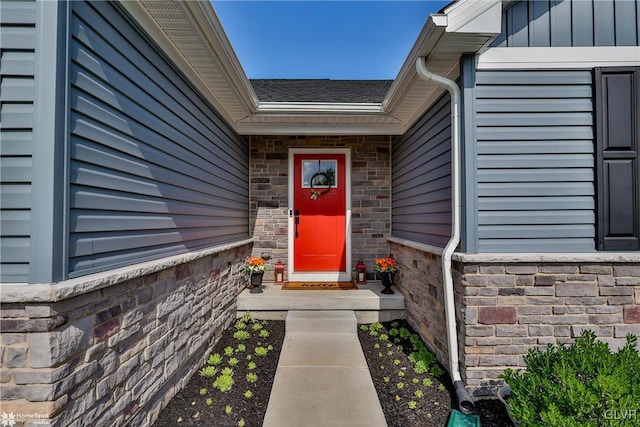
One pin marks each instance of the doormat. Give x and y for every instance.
(319, 285)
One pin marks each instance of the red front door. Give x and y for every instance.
(319, 209)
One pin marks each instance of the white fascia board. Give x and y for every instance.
(318, 108)
(487, 21)
(140, 15)
(213, 32)
(475, 16)
(540, 58)
(428, 38)
(319, 129)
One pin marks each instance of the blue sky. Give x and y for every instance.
(323, 39)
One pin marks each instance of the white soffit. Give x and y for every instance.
(190, 33)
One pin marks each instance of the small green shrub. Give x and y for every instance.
(248, 394)
(224, 383)
(208, 371)
(208, 402)
(251, 366)
(251, 377)
(241, 325)
(257, 326)
(203, 391)
(228, 409)
(241, 348)
(241, 335)
(260, 351)
(583, 384)
(412, 404)
(214, 359)
(400, 385)
(383, 337)
(233, 362)
(420, 367)
(228, 351)
(427, 382)
(264, 333)
(437, 371)
(418, 393)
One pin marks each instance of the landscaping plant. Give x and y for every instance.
(583, 384)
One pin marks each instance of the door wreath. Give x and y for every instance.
(317, 193)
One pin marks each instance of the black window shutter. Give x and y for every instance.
(618, 143)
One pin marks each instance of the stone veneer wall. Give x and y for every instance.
(419, 279)
(511, 307)
(117, 355)
(370, 193)
(505, 308)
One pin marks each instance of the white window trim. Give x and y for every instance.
(541, 58)
(342, 276)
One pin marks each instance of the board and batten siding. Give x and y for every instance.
(564, 23)
(535, 161)
(421, 179)
(154, 171)
(17, 70)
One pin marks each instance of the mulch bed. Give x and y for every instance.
(431, 406)
(190, 408)
(406, 406)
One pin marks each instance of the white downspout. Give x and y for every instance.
(465, 401)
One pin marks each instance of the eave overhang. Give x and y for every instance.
(192, 36)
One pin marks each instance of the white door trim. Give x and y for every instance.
(342, 276)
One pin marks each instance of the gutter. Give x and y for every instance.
(465, 402)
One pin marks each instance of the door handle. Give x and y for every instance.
(296, 221)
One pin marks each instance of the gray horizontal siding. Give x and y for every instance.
(154, 171)
(562, 23)
(535, 162)
(421, 177)
(17, 69)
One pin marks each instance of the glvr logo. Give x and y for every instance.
(629, 414)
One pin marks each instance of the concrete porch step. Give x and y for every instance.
(369, 304)
(321, 322)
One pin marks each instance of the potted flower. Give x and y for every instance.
(255, 268)
(387, 269)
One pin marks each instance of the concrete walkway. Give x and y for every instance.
(322, 377)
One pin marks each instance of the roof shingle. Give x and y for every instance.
(321, 90)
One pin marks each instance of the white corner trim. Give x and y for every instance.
(558, 57)
(52, 292)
